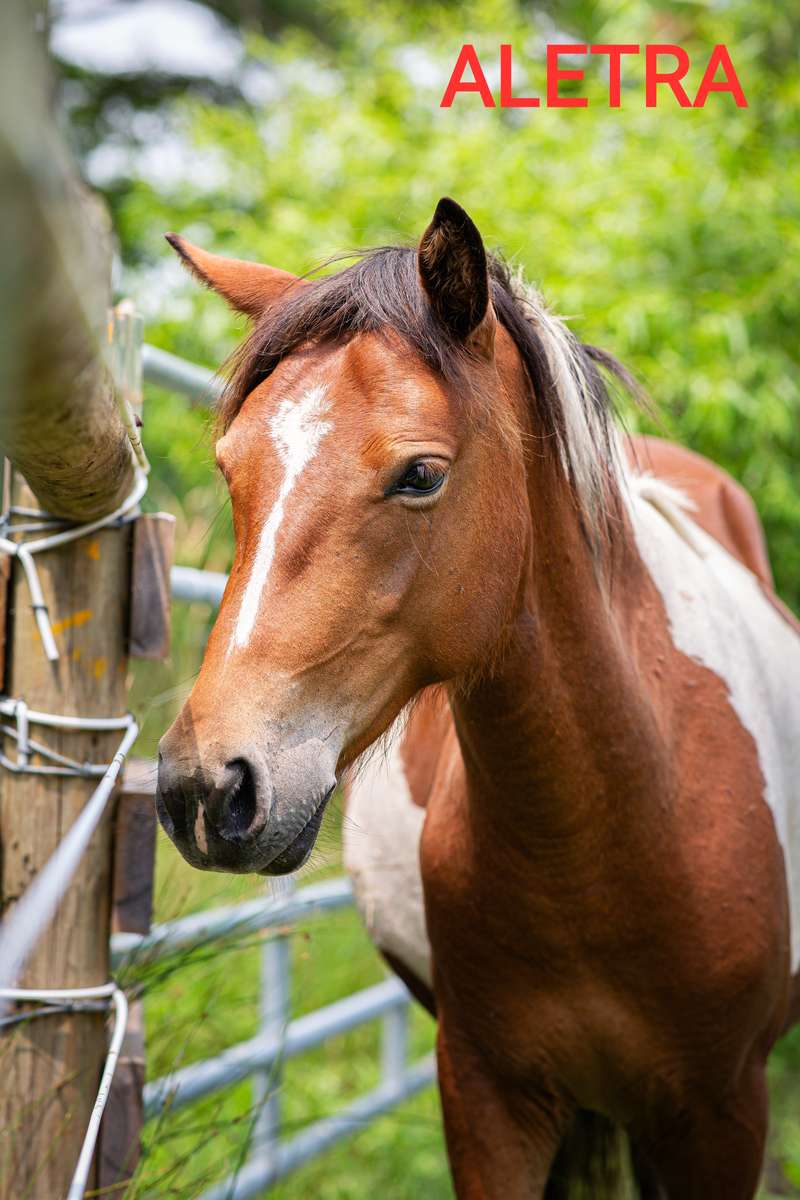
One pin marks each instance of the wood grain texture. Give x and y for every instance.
(120, 1145)
(134, 850)
(132, 901)
(5, 571)
(49, 1067)
(151, 595)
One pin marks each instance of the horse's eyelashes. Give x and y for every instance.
(422, 478)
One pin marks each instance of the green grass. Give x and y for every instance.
(209, 1001)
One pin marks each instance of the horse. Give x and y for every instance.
(576, 835)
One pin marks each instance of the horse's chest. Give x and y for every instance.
(593, 974)
(588, 985)
(603, 1021)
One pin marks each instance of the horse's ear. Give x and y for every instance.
(455, 275)
(247, 286)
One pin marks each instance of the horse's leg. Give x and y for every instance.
(500, 1142)
(715, 1152)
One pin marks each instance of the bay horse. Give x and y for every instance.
(580, 844)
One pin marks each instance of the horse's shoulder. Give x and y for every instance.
(722, 507)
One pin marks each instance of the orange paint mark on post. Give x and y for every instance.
(99, 667)
(74, 622)
(93, 549)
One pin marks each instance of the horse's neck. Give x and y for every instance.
(562, 736)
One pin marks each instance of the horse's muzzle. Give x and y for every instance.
(245, 814)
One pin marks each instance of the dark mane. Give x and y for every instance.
(382, 291)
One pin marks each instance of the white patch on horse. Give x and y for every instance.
(719, 616)
(297, 428)
(381, 854)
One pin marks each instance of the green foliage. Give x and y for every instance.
(669, 236)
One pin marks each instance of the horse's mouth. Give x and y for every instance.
(292, 857)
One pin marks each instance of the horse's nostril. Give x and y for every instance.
(241, 805)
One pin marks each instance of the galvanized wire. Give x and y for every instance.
(109, 992)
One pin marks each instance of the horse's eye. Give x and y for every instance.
(421, 479)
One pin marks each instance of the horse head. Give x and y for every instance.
(378, 505)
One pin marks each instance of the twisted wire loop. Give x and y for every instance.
(22, 928)
(70, 998)
(18, 521)
(62, 764)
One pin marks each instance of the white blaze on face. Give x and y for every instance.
(297, 428)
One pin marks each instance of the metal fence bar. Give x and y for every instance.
(259, 1053)
(275, 1009)
(201, 386)
(166, 370)
(190, 584)
(276, 988)
(23, 927)
(132, 949)
(394, 1046)
(255, 1176)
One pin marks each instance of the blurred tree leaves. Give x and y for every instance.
(670, 236)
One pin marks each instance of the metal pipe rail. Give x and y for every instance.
(262, 1052)
(191, 584)
(132, 950)
(258, 1174)
(166, 370)
(279, 1038)
(201, 386)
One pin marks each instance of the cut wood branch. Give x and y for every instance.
(59, 422)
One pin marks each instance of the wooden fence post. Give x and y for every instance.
(64, 433)
(49, 1066)
(132, 902)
